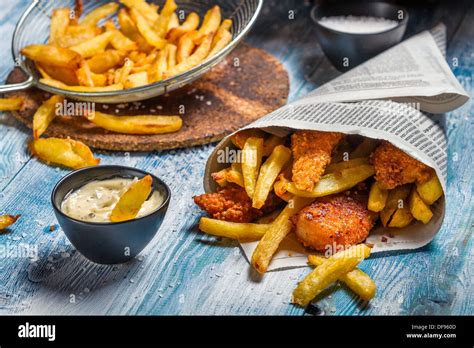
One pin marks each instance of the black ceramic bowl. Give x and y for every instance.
(108, 242)
(347, 50)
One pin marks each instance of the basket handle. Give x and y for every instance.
(14, 87)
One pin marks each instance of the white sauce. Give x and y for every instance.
(95, 200)
(358, 24)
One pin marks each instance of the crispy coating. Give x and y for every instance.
(312, 153)
(393, 167)
(232, 203)
(334, 221)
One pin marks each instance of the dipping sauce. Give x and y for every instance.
(95, 200)
(358, 24)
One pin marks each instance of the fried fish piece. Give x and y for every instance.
(232, 203)
(334, 221)
(312, 153)
(393, 167)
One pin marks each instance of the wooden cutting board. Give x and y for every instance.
(246, 86)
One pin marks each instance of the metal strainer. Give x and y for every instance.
(33, 28)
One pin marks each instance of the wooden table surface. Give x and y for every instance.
(185, 272)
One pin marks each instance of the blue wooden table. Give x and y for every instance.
(185, 272)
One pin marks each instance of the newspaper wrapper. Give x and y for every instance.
(399, 123)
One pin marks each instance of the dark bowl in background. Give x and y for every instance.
(338, 45)
(108, 242)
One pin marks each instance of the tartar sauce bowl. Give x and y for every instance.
(109, 242)
(347, 49)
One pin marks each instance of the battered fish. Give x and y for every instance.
(232, 203)
(393, 167)
(312, 153)
(334, 221)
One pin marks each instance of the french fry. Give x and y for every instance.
(377, 198)
(223, 39)
(121, 42)
(269, 218)
(128, 27)
(150, 35)
(364, 149)
(8, 220)
(337, 167)
(11, 104)
(171, 55)
(137, 80)
(143, 124)
(59, 23)
(59, 84)
(106, 60)
(331, 270)
(431, 190)
(173, 22)
(211, 21)
(76, 34)
(191, 23)
(124, 72)
(145, 9)
(161, 26)
(65, 75)
(159, 66)
(395, 200)
(277, 231)
(336, 182)
(93, 46)
(418, 208)
(280, 188)
(220, 177)
(356, 280)
(51, 55)
(100, 80)
(401, 218)
(100, 13)
(185, 46)
(45, 115)
(234, 175)
(241, 137)
(66, 152)
(268, 173)
(270, 143)
(244, 232)
(193, 60)
(251, 161)
(84, 75)
(130, 202)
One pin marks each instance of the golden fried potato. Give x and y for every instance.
(145, 9)
(191, 23)
(211, 21)
(8, 220)
(251, 161)
(418, 208)
(121, 42)
(137, 80)
(67, 152)
(193, 60)
(63, 74)
(268, 173)
(59, 23)
(221, 39)
(377, 198)
(401, 218)
(161, 26)
(331, 270)
(11, 104)
(84, 75)
(59, 84)
(92, 18)
(244, 232)
(143, 124)
(104, 61)
(93, 46)
(356, 280)
(241, 137)
(396, 199)
(51, 55)
(270, 143)
(277, 231)
(147, 31)
(128, 27)
(336, 182)
(131, 201)
(337, 167)
(431, 190)
(45, 115)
